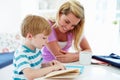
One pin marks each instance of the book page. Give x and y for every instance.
(69, 73)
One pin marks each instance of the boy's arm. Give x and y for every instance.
(36, 73)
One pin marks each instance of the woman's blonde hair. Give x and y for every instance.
(35, 24)
(73, 6)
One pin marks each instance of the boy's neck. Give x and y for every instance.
(28, 44)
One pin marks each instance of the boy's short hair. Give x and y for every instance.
(35, 24)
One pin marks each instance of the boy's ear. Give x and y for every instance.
(29, 35)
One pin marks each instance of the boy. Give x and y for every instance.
(27, 58)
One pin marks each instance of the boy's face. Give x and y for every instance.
(39, 40)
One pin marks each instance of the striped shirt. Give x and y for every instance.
(25, 58)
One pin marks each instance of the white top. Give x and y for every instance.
(62, 44)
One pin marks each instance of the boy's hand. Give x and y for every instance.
(54, 62)
(57, 65)
(51, 63)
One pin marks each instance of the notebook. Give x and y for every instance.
(6, 59)
(113, 59)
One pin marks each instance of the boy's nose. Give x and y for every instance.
(46, 41)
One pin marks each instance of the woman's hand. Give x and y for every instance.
(67, 57)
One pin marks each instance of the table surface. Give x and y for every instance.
(90, 72)
(95, 72)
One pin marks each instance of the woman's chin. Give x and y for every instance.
(63, 31)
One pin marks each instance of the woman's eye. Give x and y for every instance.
(67, 22)
(73, 25)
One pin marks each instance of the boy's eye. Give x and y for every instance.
(44, 38)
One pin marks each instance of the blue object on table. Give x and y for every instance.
(113, 59)
(6, 59)
(80, 67)
(114, 56)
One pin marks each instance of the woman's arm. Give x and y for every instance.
(64, 56)
(85, 45)
(54, 48)
(68, 57)
(72, 57)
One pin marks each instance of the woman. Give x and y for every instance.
(67, 28)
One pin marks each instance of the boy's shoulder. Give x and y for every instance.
(21, 49)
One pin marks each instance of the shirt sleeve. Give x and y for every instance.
(22, 62)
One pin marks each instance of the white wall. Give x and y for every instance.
(99, 29)
(10, 13)
(29, 7)
(100, 36)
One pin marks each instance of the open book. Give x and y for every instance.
(70, 72)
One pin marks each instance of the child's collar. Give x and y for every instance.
(28, 49)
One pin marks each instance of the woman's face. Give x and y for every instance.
(68, 22)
